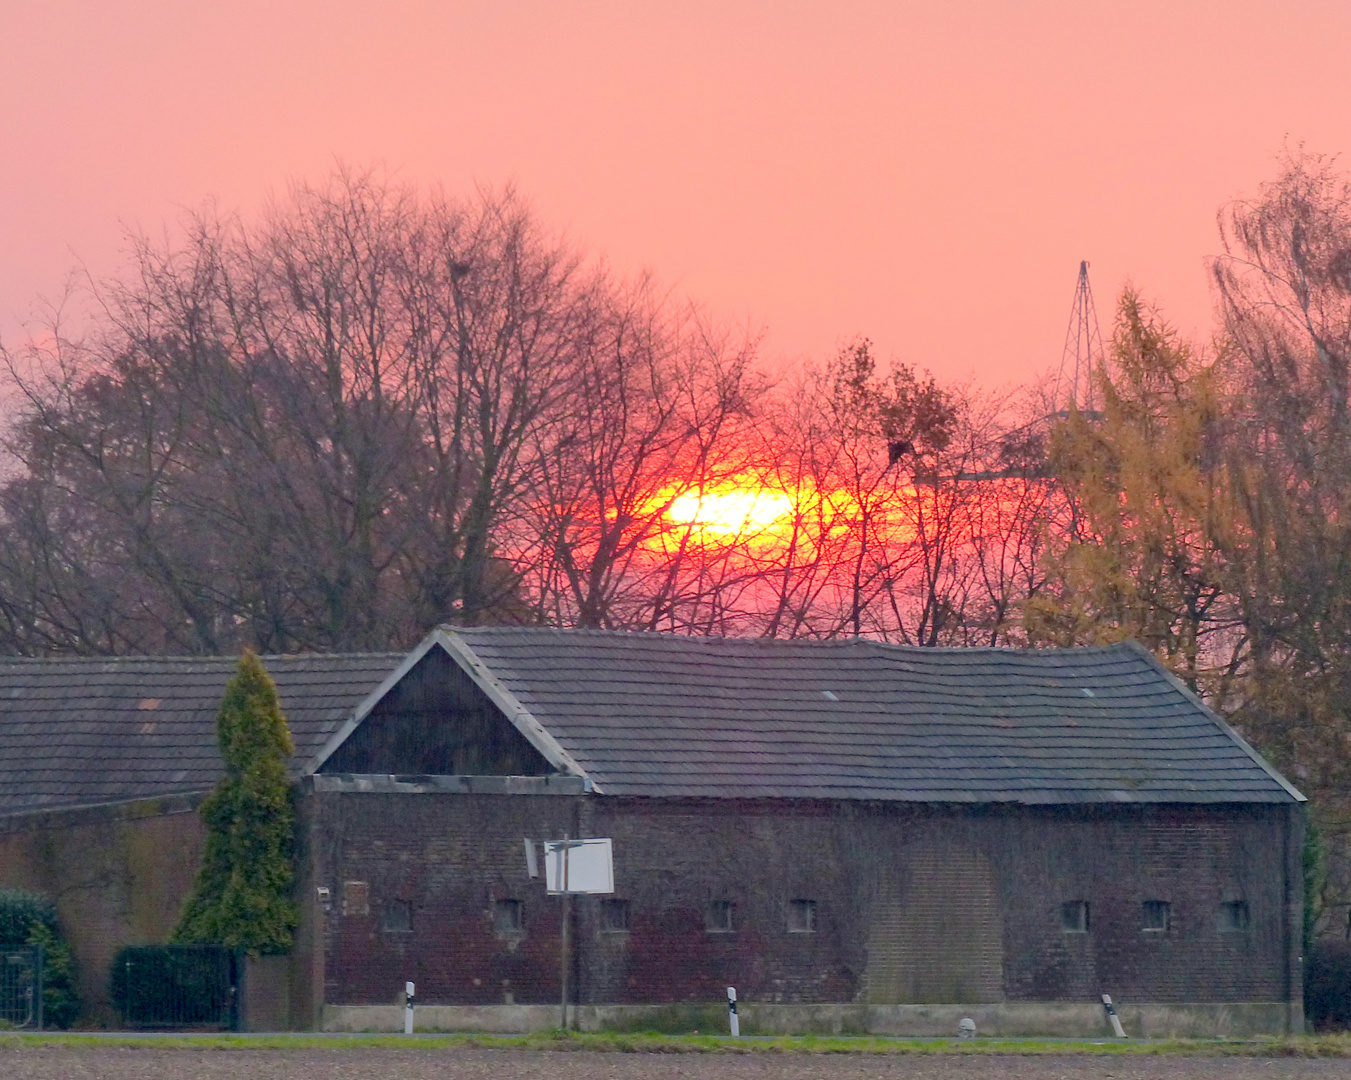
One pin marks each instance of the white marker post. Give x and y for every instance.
(1117, 1029)
(408, 1008)
(732, 1020)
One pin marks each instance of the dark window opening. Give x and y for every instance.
(614, 915)
(1156, 917)
(1074, 917)
(507, 916)
(801, 916)
(721, 917)
(395, 917)
(1233, 916)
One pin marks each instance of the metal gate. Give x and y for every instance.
(176, 986)
(21, 987)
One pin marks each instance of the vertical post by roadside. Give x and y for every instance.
(593, 874)
(567, 918)
(1112, 1017)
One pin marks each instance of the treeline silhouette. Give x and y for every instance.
(373, 411)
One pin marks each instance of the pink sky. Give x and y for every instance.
(927, 174)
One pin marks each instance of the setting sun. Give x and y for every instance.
(729, 510)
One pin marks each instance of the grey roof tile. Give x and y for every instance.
(80, 732)
(658, 714)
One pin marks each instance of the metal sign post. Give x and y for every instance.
(567, 921)
(572, 868)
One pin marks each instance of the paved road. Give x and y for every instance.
(120, 1063)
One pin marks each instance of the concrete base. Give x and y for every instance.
(1064, 1019)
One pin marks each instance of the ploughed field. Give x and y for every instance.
(121, 1063)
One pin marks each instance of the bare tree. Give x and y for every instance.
(660, 406)
(303, 434)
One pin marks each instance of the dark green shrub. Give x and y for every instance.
(19, 912)
(243, 894)
(172, 986)
(28, 919)
(1327, 985)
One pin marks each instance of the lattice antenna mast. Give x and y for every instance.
(1083, 350)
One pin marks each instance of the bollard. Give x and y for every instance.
(1117, 1029)
(732, 1020)
(408, 1008)
(966, 1028)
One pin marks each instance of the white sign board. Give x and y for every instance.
(579, 866)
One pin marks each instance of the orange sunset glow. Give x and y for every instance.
(324, 323)
(826, 448)
(928, 175)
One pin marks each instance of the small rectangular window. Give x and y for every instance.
(356, 898)
(1156, 916)
(1233, 916)
(801, 916)
(614, 915)
(721, 917)
(1074, 917)
(395, 917)
(507, 916)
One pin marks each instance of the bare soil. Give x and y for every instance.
(121, 1063)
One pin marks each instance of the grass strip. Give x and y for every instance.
(1305, 1046)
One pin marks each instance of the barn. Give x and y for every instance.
(857, 836)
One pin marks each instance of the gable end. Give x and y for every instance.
(435, 721)
(441, 706)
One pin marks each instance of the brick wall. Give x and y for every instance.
(118, 875)
(910, 903)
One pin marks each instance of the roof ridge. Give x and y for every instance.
(671, 635)
(174, 658)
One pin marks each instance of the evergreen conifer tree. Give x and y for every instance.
(243, 894)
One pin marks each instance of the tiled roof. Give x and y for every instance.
(80, 732)
(660, 715)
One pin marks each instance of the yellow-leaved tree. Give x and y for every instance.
(1143, 552)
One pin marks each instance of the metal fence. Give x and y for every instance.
(176, 986)
(21, 987)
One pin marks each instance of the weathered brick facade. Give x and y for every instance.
(118, 875)
(911, 903)
(848, 832)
